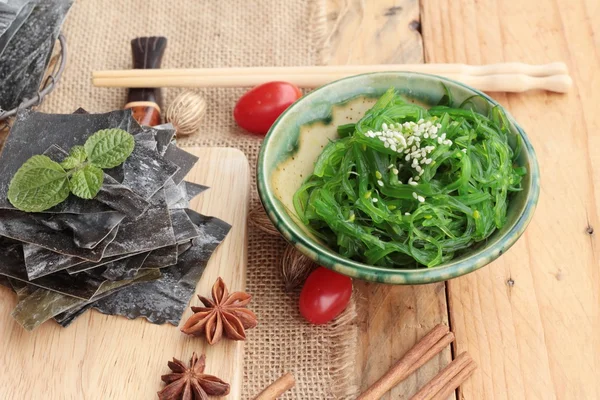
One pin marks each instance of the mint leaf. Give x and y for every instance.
(86, 182)
(77, 156)
(109, 147)
(38, 185)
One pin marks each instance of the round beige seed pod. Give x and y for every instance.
(186, 113)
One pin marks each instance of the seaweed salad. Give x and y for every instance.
(408, 186)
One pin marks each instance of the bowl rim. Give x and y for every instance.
(410, 276)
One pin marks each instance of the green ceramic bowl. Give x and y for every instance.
(297, 137)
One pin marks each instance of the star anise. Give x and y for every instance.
(191, 383)
(226, 313)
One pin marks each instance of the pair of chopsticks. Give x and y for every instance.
(504, 77)
(439, 388)
(442, 385)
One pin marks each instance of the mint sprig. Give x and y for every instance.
(40, 183)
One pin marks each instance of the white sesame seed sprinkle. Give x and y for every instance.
(375, 200)
(415, 195)
(380, 183)
(421, 199)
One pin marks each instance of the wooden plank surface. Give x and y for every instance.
(392, 318)
(531, 319)
(109, 357)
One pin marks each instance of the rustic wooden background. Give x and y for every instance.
(531, 320)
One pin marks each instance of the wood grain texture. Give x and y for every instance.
(531, 320)
(392, 318)
(109, 357)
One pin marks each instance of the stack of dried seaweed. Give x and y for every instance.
(28, 31)
(135, 250)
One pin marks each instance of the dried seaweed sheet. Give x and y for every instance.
(144, 171)
(183, 247)
(184, 160)
(184, 230)
(174, 193)
(125, 268)
(164, 137)
(86, 266)
(24, 60)
(165, 299)
(26, 140)
(151, 231)
(40, 305)
(161, 258)
(193, 189)
(88, 230)
(27, 228)
(183, 226)
(121, 198)
(13, 15)
(36, 261)
(9, 11)
(12, 265)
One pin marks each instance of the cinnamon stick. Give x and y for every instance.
(430, 390)
(277, 388)
(430, 345)
(456, 381)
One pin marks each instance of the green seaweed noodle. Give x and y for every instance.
(360, 203)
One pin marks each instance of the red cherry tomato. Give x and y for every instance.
(256, 110)
(324, 296)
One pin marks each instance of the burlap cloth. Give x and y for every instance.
(211, 33)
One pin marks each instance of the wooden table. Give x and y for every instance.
(531, 320)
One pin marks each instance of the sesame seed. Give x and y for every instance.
(386, 145)
(375, 200)
(418, 168)
(378, 175)
(413, 183)
(415, 195)
(390, 166)
(380, 183)
(464, 151)
(406, 213)
(421, 199)
(395, 171)
(417, 178)
(384, 126)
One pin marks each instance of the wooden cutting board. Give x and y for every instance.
(110, 357)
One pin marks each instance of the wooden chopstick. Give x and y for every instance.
(430, 345)
(556, 68)
(490, 83)
(444, 381)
